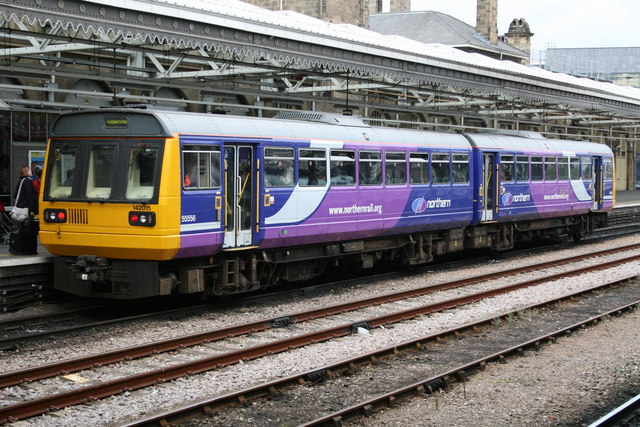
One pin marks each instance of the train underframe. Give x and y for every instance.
(240, 272)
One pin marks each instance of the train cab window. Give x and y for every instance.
(460, 171)
(574, 168)
(142, 169)
(522, 168)
(343, 167)
(563, 168)
(440, 169)
(201, 166)
(506, 168)
(370, 168)
(395, 168)
(278, 167)
(607, 168)
(60, 178)
(586, 168)
(419, 168)
(536, 168)
(312, 168)
(550, 169)
(101, 169)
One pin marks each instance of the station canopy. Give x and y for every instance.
(218, 45)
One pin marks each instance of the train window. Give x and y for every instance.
(343, 167)
(419, 168)
(522, 168)
(550, 169)
(536, 168)
(440, 168)
(563, 168)
(586, 168)
(460, 168)
(142, 170)
(370, 168)
(100, 174)
(278, 167)
(312, 168)
(607, 167)
(396, 168)
(202, 166)
(506, 168)
(60, 178)
(574, 168)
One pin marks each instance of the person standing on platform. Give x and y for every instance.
(25, 241)
(36, 178)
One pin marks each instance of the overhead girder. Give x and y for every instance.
(181, 28)
(125, 60)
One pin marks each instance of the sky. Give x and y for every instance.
(557, 23)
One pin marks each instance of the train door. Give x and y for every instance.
(239, 188)
(597, 182)
(490, 186)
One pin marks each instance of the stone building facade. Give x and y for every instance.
(357, 12)
(354, 12)
(519, 35)
(487, 19)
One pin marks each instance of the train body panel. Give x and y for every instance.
(106, 245)
(239, 203)
(534, 177)
(353, 208)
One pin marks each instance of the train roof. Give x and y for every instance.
(303, 125)
(529, 142)
(134, 122)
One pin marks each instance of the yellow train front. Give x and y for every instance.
(109, 206)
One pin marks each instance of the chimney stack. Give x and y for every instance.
(487, 19)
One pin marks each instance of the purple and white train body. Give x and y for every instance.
(235, 204)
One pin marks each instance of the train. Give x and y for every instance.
(137, 202)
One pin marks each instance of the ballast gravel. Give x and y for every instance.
(135, 333)
(570, 383)
(130, 405)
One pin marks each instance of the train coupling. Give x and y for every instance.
(90, 268)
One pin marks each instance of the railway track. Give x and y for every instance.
(79, 395)
(22, 329)
(627, 414)
(421, 352)
(295, 318)
(430, 385)
(19, 330)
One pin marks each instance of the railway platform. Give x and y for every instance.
(9, 260)
(627, 198)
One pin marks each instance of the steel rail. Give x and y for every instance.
(98, 391)
(209, 405)
(53, 317)
(622, 415)
(133, 352)
(9, 342)
(434, 383)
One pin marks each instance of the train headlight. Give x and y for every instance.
(147, 219)
(55, 215)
